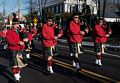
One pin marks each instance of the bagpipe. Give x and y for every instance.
(23, 34)
(107, 27)
(57, 31)
(85, 26)
(57, 28)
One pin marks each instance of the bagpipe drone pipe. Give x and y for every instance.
(57, 28)
(108, 27)
(57, 31)
(84, 26)
(23, 35)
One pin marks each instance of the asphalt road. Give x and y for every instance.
(110, 60)
(36, 72)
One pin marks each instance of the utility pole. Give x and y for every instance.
(18, 9)
(40, 7)
(104, 5)
(85, 6)
(4, 8)
(31, 9)
(3, 11)
(99, 8)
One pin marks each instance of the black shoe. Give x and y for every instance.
(17, 81)
(77, 70)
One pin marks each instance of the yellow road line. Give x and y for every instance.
(64, 66)
(83, 71)
(62, 63)
(86, 71)
(98, 76)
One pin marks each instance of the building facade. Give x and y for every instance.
(62, 6)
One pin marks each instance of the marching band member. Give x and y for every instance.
(75, 35)
(101, 33)
(48, 41)
(3, 35)
(15, 45)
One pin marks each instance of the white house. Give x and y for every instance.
(61, 6)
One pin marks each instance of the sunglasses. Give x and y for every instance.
(50, 20)
(76, 17)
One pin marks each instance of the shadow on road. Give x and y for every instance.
(6, 73)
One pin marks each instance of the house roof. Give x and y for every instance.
(111, 14)
(53, 2)
(110, 11)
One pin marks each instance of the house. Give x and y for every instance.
(111, 11)
(62, 6)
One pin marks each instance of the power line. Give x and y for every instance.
(2, 3)
(18, 8)
(13, 7)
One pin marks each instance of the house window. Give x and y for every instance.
(48, 9)
(70, 8)
(56, 9)
(53, 9)
(60, 8)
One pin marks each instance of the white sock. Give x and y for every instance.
(50, 69)
(17, 77)
(71, 54)
(74, 64)
(99, 62)
(28, 55)
(96, 62)
(5, 47)
(19, 74)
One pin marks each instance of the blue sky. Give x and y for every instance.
(11, 6)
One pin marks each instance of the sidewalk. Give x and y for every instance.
(91, 44)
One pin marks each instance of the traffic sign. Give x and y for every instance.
(35, 20)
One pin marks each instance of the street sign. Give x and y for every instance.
(35, 20)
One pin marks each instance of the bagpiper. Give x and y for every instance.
(15, 46)
(75, 36)
(101, 33)
(48, 41)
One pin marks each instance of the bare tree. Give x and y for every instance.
(33, 9)
(117, 5)
(41, 4)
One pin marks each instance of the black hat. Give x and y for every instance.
(15, 20)
(50, 18)
(75, 14)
